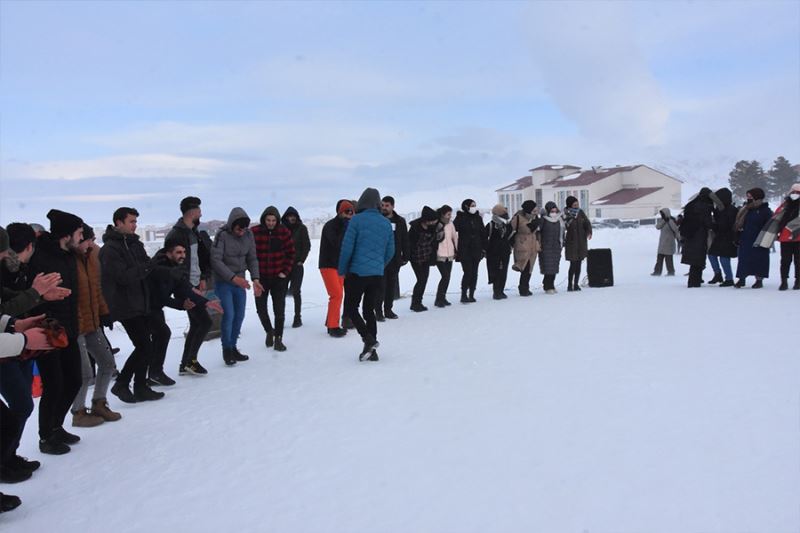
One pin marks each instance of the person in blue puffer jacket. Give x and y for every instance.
(367, 248)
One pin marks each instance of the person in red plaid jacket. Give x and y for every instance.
(275, 252)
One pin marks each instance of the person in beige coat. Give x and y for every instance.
(447, 237)
(526, 244)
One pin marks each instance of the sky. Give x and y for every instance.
(104, 104)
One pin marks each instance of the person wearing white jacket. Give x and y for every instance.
(447, 236)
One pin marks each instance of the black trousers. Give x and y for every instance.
(275, 287)
(295, 284)
(525, 278)
(15, 387)
(695, 276)
(790, 251)
(660, 264)
(9, 428)
(61, 375)
(356, 289)
(421, 271)
(445, 269)
(575, 272)
(469, 280)
(199, 326)
(500, 275)
(549, 282)
(386, 295)
(160, 333)
(139, 330)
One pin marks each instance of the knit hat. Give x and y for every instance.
(429, 215)
(499, 210)
(344, 205)
(571, 200)
(189, 203)
(757, 193)
(88, 232)
(3, 240)
(528, 206)
(63, 224)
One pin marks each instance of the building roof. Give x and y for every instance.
(523, 183)
(555, 167)
(626, 196)
(587, 177)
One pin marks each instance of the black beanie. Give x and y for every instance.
(88, 232)
(528, 206)
(466, 203)
(189, 203)
(571, 200)
(63, 224)
(429, 215)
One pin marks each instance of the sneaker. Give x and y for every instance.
(373, 356)
(347, 323)
(784, 285)
(65, 436)
(192, 369)
(227, 356)
(279, 346)
(727, 283)
(9, 502)
(716, 279)
(298, 322)
(758, 284)
(525, 292)
(369, 346)
(84, 419)
(9, 474)
(123, 392)
(655, 273)
(439, 303)
(22, 463)
(53, 446)
(390, 315)
(270, 341)
(446, 302)
(239, 356)
(418, 308)
(337, 332)
(740, 284)
(796, 286)
(160, 378)
(379, 316)
(146, 394)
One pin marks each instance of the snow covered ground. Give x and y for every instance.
(645, 407)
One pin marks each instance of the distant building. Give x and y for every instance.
(624, 192)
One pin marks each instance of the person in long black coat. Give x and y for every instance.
(723, 244)
(498, 250)
(753, 260)
(471, 247)
(697, 221)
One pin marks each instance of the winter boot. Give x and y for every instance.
(65, 436)
(758, 284)
(370, 344)
(472, 299)
(53, 445)
(9, 502)
(298, 322)
(347, 323)
(279, 346)
(373, 356)
(238, 356)
(784, 284)
(84, 419)
(391, 315)
(227, 356)
(464, 297)
(716, 279)
(270, 339)
(337, 332)
(379, 316)
(23, 464)
(144, 393)
(417, 307)
(796, 286)
(100, 408)
(123, 392)
(740, 283)
(439, 302)
(525, 292)
(9, 474)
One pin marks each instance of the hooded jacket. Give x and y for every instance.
(49, 257)
(669, 233)
(330, 243)
(723, 222)
(302, 243)
(274, 247)
(124, 267)
(232, 255)
(697, 222)
(368, 244)
(472, 237)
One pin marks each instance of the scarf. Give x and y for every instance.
(499, 221)
(742, 214)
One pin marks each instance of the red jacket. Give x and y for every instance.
(785, 235)
(275, 250)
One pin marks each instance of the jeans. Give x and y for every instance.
(295, 285)
(421, 271)
(726, 265)
(233, 300)
(277, 288)
(790, 251)
(445, 269)
(199, 325)
(356, 289)
(61, 380)
(96, 344)
(334, 284)
(670, 264)
(15, 386)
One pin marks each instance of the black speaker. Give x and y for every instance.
(600, 268)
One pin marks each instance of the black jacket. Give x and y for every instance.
(169, 284)
(188, 236)
(724, 242)
(697, 222)
(49, 257)
(330, 245)
(302, 243)
(402, 245)
(471, 236)
(125, 267)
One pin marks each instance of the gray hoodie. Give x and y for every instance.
(370, 199)
(232, 255)
(669, 233)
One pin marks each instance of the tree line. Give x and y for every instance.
(776, 182)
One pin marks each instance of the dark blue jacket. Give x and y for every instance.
(368, 245)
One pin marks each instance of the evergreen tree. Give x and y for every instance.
(747, 175)
(781, 178)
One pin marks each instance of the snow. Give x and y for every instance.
(642, 407)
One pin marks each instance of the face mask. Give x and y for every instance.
(554, 214)
(473, 210)
(795, 196)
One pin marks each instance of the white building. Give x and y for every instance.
(624, 192)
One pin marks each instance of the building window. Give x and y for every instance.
(598, 213)
(584, 199)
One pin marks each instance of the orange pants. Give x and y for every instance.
(334, 284)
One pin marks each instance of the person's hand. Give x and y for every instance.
(242, 283)
(214, 305)
(197, 291)
(202, 287)
(258, 289)
(36, 340)
(44, 283)
(188, 304)
(28, 323)
(56, 293)
(282, 275)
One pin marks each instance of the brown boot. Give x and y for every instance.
(100, 408)
(84, 419)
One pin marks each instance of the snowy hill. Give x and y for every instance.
(644, 407)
